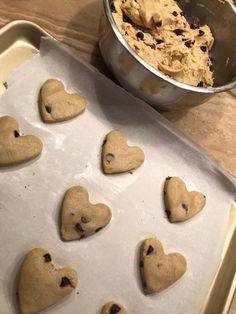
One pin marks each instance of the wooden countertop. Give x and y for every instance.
(75, 22)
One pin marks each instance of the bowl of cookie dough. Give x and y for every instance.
(172, 54)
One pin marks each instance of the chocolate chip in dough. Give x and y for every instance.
(64, 282)
(203, 48)
(150, 250)
(113, 9)
(178, 31)
(201, 32)
(115, 309)
(47, 258)
(194, 26)
(175, 13)
(159, 23)
(188, 43)
(159, 41)
(139, 36)
(181, 13)
(84, 220)
(126, 19)
(200, 84)
(16, 133)
(185, 207)
(152, 46)
(48, 108)
(78, 227)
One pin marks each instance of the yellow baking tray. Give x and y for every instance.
(20, 41)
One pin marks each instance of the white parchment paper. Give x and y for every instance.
(107, 263)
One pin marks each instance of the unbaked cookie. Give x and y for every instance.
(181, 204)
(113, 308)
(117, 156)
(40, 284)
(80, 218)
(159, 270)
(14, 148)
(57, 105)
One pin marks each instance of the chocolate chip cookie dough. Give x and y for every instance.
(56, 105)
(80, 218)
(181, 204)
(14, 147)
(117, 156)
(41, 284)
(159, 270)
(113, 308)
(158, 31)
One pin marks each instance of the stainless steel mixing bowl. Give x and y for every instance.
(153, 86)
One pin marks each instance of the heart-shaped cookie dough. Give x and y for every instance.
(113, 308)
(158, 270)
(57, 105)
(117, 156)
(40, 284)
(15, 149)
(80, 218)
(181, 204)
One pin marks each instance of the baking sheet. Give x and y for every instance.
(107, 263)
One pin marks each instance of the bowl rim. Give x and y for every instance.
(141, 61)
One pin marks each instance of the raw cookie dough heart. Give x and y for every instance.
(181, 204)
(158, 270)
(117, 156)
(113, 308)
(40, 284)
(57, 105)
(15, 149)
(80, 218)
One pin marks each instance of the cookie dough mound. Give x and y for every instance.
(14, 148)
(56, 105)
(113, 308)
(40, 284)
(159, 270)
(161, 35)
(117, 156)
(80, 218)
(181, 204)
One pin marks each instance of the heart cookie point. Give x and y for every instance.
(180, 204)
(80, 218)
(117, 156)
(159, 270)
(40, 284)
(56, 105)
(16, 149)
(113, 308)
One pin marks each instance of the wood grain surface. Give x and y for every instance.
(76, 23)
